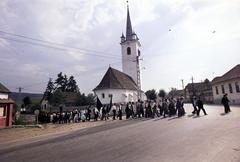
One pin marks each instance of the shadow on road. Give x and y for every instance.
(195, 117)
(191, 115)
(223, 114)
(176, 117)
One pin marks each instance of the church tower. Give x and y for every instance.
(131, 52)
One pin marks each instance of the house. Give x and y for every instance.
(124, 86)
(175, 93)
(118, 85)
(6, 107)
(203, 89)
(70, 100)
(228, 83)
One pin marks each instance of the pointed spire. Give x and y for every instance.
(129, 26)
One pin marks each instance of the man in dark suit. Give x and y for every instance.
(225, 102)
(200, 106)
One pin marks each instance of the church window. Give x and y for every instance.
(237, 87)
(230, 88)
(103, 95)
(129, 51)
(223, 90)
(216, 90)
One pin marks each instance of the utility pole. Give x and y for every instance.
(19, 95)
(182, 84)
(183, 87)
(193, 90)
(138, 75)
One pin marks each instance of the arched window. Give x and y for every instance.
(103, 95)
(129, 51)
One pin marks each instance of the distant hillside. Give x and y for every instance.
(35, 97)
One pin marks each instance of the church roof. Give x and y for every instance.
(231, 74)
(3, 89)
(115, 79)
(129, 30)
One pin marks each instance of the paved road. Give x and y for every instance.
(215, 137)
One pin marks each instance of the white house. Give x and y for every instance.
(228, 83)
(124, 86)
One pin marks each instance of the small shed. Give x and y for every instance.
(6, 107)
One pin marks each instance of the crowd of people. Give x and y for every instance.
(167, 107)
(148, 109)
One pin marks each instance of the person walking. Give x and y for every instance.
(96, 114)
(120, 112)
(225, 102)
(142, 109)
(114, 109)
(165, 107)
(171, 107)
(194, 103)
(200, 106)
(88, 114)
(127, 111)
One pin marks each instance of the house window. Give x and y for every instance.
(2, 111)
(237, 87)
(216, 90)
(129, 51)
(110, 95)
(230, 88)
(223, 90)
(103, 95)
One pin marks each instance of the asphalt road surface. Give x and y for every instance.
(215, 137)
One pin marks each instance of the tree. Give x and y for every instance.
(151, 94)
(206, 81)
(49, 90)
(90, 99)
(61, 82)
(57, 98)
(27, 101)
(72, 85)
(162, 93)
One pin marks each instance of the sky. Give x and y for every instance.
(180, 39)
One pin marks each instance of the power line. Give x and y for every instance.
(55, 43)
(57, 48)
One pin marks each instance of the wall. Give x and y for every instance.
(119, 95)
(3, 96)
(233, 97)
(129, 64)
(6, 121)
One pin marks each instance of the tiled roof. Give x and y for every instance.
(3, 89)
(115, 79)
(231, 74)
(4, 101)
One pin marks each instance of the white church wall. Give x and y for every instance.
(129, 64)
(119, 95)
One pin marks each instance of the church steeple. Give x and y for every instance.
(131, 52)
(129, 30)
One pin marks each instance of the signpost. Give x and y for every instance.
(36, 112)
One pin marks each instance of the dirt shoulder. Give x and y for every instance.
(18, 134)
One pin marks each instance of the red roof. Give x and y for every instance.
(231, 74)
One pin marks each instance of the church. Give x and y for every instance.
(123, 86)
